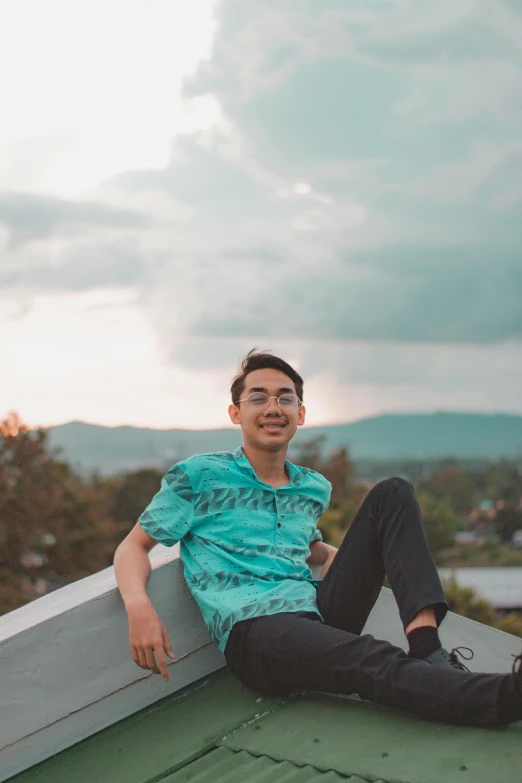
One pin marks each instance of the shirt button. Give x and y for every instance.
(279, 524)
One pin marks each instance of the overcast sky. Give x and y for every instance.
(181, 181)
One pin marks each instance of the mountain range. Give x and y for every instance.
(108, 450)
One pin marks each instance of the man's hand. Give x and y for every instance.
(148, 638)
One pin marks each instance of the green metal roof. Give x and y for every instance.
(238, 767)
(216, 731)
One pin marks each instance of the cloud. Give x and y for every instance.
(443, 295)
(89, 267)
(361, 182)
(246, 255)
(427, 263)
(29, 216)
(350, 379)
(351, 200)
(346, 381)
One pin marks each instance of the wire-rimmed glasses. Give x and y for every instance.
(260, 401)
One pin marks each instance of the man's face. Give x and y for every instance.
(271, 426)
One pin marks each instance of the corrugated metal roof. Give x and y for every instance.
(218, 731)
(226, 765)
(356, 737)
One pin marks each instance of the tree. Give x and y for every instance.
(440, 521)
(54, 527)
(464, 601)
(452, 484)
(339, 470)
(133, 493)
(337, 467)
(310, 453)
(29, 478)
(347, 495)
(508, 518)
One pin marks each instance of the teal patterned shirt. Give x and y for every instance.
(244, 544)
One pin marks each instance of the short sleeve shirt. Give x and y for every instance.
(244, 544)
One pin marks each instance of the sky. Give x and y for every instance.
(338, 182)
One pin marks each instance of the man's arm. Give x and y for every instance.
(321, 554)
(147, 635)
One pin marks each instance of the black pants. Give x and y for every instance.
(287, 652)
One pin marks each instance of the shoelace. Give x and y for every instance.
(457, 651)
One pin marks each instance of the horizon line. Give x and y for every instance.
(310, 426)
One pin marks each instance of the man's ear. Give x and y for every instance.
(233, 412)
(301, 416)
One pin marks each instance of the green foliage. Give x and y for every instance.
(133, 493)
(339, 469)
(441, 522)
(334, 523)
(510, 623)
(310, 453)
(346, 494)
(464, 601)
(487, 554)
(503, 480)
(54, 527)
(508, 519)
(12, 593)
(452, 484)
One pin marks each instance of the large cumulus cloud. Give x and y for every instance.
(53, 244)
(361, 184)
(29, 216)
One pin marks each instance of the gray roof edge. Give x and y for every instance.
(493, 650)
(67, 670)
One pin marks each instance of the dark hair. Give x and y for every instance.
(261, 360)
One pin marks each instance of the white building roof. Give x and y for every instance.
(502, 587)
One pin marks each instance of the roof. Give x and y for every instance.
(75, 707)
(501, 586)
(216, 731)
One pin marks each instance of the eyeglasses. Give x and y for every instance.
(260, 401)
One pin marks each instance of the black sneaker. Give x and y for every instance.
(442, 657)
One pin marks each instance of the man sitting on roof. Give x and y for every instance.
(247, 523)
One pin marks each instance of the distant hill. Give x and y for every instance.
(90, 447)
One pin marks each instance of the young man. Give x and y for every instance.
(247, 523)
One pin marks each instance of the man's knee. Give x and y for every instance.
(396, 486)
